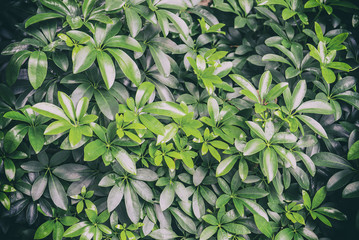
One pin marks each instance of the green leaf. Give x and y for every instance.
(50, 110)
(210, 219)
(37, 69)
(213, 109)
(152, 124)
(68, 220)
(351, 190)
(107, 103)
(14, 137)
(285, 155)
(306, 200)
(285, 234)
(38, 187)
(57, 127)
(264, 83)
(332, 213)
(76, 230)
(339, 180)
(163, 108)
(144, 93)
(178, 22)
(133, 20)
(252, 193)
(122, 41)
(284, 137)
(58, 231)
(307, 233)
(208, 232)
(236, 228)
(275, 58)
(132, 203)
(343, 85)
(263, 225)
(246, 85)
(270, 164)
(127, 65)
(13, 68)
(44, 230)
(87, 7)
(36, 138)
(331, 160)
(67, 105)
(4, 200)
(246, 5)
(75, 135)
(143, 190)
(319, 197)
(198, 205)
(353, 152)
(276, 91)
(315, 106)
(307, 162)
(254, 207)
(94, 150)
(112, 5)
(161, 59)
(183, 220)
(163, 234)
(61, 60)
(124, 159)
(172, 4)
(254, 146)
(84, 59)
(226, 165)
(107, 68)
(41, 17)
(328, 74)
(287, 13)
(56, 5)
(256, 129)
(57, 193)
(298, 94)
(339, 66)
(115, 196)
(313, 124)
(10, 169)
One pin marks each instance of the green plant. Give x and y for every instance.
(164, 119)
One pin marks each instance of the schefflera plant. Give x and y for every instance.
(69, 119)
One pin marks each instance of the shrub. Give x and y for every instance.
(166, 119)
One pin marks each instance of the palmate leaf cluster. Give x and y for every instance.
(167, 119)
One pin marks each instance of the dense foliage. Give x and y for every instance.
(177, 119)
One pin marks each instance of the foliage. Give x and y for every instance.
(166, 119)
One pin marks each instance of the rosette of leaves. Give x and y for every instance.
(128, 187)
(69, 119)
(150, 155)
(109, 147)
(48, 171)
(242, 9)
(33, 126)
(92, 229)
(223, 225)
(326, 52)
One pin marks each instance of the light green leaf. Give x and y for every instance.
(124, 159)
(127, 65)
(84, 59)
(37, 69)
(163, 108)
(41, 17)
(107, 68)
